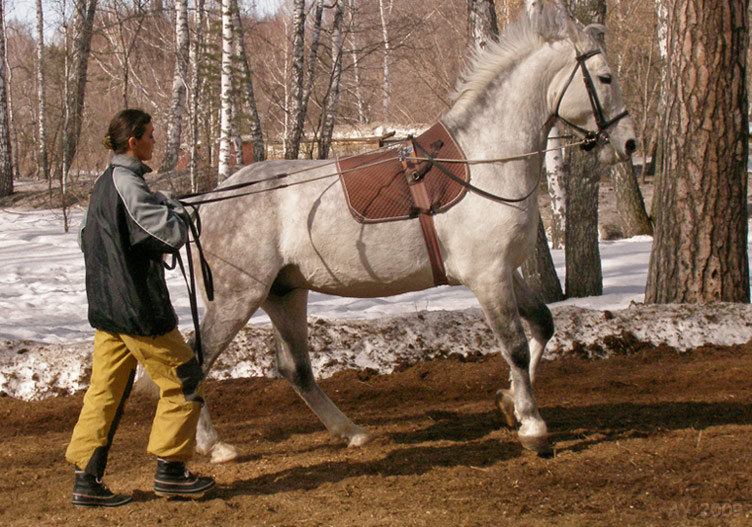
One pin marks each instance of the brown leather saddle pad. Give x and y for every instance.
(376, 187)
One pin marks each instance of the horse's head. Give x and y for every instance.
(587, 96)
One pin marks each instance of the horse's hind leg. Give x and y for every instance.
(223, 319)
(288, 315)
(541, 324)
(496, 294)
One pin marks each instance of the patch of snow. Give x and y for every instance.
(46, 340)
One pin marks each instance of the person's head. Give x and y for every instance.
(131, 132)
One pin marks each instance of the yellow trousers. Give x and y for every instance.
(171, 364)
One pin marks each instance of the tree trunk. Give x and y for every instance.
(302, 83)
(583, 275)
(11, 107)
(354, 51)
(177, 98)
(83, 21)
(198, 20)
(484, 27)
(332, 98)
(556, 177)
(555, 163)
(629, 202)
(43, 171)
(226, 99)
(537, 270)
(257, 137)
(700, 247)
(6, 162)
(583, 261)
(384, 13)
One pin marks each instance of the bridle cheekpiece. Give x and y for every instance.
(592, 137)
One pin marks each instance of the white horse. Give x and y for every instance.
(267, 250)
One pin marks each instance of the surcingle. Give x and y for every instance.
(377, 185)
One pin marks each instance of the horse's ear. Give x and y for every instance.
(597, 32)
(573, 29)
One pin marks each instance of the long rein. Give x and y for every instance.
(437, 161)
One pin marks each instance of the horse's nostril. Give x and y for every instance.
(630, 146)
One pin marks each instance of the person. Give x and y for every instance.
(125, 235)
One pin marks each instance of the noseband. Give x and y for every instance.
(592, 137)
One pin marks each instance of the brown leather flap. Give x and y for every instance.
(376, 188)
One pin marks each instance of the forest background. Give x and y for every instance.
(400, 60)
(233, 82)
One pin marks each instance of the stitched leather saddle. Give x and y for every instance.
(377, 185)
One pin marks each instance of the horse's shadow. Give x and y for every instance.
(605, 423)
(612, 422)
(401, 462)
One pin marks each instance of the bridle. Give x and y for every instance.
(592, 137)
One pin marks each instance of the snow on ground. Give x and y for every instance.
(45, 338)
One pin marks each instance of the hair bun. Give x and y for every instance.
(107, 142)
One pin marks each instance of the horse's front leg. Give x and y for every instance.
(497, 298)
(541, 324)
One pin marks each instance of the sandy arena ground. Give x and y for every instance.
(650, 438)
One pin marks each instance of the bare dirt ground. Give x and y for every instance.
(652, 438)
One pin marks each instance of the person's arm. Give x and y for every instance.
(154, 222)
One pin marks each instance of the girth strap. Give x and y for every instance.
(424, 209)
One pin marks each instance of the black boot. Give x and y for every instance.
(89, 491)
(173, 479)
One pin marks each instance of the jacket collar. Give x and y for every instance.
(131, 163)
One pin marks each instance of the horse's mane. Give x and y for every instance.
(519, 39)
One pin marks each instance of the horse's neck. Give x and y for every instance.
(512, 118)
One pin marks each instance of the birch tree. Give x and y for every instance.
(11, 113)
(302, 83)
(43, 171)
(257, 137)
(555, 166)
(384, 14)
(331, 101)
(226, 98)
(177, 98)
(6, 162)
(355, 54)
(295, 96)
(699, 250)
(484, 27)
(195, 59)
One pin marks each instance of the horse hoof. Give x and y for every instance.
(505, 403)
(223, 453)
(538, 444)
(359, 439)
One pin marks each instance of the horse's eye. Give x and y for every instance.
(605, 79)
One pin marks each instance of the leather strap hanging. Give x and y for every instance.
(414, 173)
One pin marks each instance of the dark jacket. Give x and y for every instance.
(125, 234)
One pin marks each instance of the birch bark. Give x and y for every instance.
(6, 163)
(43, 171)
(196, 86)
(385, 13)
(177, 97)
(223, 168)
